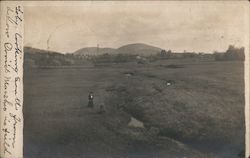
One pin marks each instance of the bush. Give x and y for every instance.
(232, 53)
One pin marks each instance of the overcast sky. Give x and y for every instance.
(192, 26)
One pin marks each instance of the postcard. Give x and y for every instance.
(124, 79)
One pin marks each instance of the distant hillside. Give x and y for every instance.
(138, 48)
(42, 58)
(94, 51)
(36, 50)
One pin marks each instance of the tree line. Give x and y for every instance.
(37, 57)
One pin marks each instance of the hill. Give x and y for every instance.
(94, 51)
(43, 58)
(31, 50)
(138, 48)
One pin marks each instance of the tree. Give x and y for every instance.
(165, 54)
(234, 53)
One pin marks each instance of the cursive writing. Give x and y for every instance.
(7, 48)
(18, 38)
(11, 82)
(6, 102)
(15, 120)
(6, 144)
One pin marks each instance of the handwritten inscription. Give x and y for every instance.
(13, 20)
(14, 121)
(6, 102)
(12, 80)
(7, 49)
(5, 132)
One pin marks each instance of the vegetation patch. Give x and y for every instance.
(172, 66)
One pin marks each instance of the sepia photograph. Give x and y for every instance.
(135, 79)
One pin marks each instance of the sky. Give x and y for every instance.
(192, 26)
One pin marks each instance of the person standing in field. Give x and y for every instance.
(91, 100)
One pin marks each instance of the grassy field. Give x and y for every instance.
(189, 109)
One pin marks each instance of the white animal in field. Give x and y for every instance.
(170, 82)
